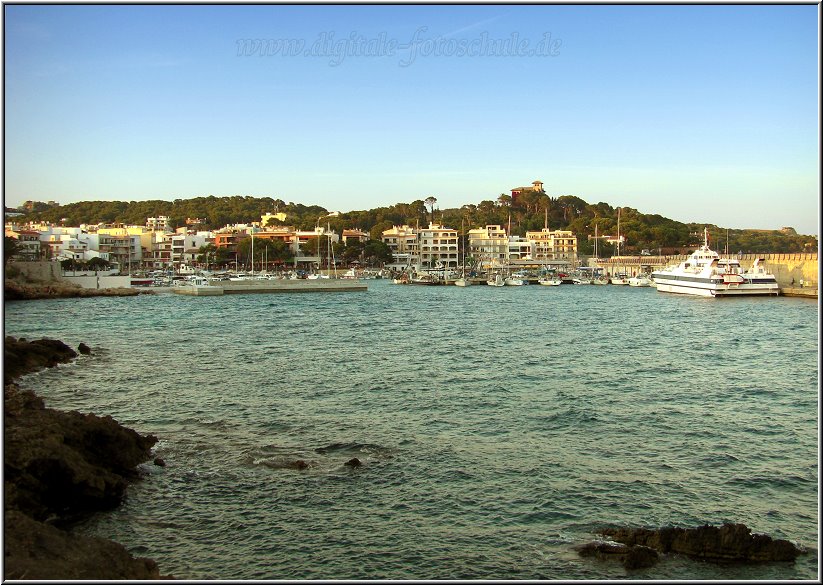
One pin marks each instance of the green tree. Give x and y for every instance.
(376, 253)
(10, 247)
(97, 264)
(430, 202)
(265, 251)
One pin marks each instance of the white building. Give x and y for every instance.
(402, 240)
(438, 246)
(158, 224)
(489, 245)
(553, 245)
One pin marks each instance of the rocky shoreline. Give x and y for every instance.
(638, 548)
(17, 291)
(60, 467)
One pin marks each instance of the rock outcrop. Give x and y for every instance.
(18, 291)
(21, 356)
(59, 467)
(631, 557)
(729, 542)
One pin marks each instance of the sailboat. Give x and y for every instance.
(495, 274)
(495, 279)
(463, 281)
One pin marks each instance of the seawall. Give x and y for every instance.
(39, 271)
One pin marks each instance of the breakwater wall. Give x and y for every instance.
(36, 271)
(790, 270)
(99, 281)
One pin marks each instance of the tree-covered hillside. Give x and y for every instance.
(530, 211)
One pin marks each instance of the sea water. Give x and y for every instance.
(497, 427)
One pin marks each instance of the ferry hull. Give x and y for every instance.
(717, 290)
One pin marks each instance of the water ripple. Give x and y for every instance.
(496, 428)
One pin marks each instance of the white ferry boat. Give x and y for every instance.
(706, 274)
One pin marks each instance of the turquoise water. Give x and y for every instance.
(498, 427)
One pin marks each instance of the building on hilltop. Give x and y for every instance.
(268, 217)
(537, 186)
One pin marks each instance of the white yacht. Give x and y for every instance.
(706, 274)
(640, 280)
(549, 281)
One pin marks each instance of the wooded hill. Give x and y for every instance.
(531, 211)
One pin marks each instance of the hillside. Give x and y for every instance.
(531, 211)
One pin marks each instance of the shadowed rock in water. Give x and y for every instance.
(59, 467)
(22, 357)
(729, 542)
(632, 557)
(36, 550)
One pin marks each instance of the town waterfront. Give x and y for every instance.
(497, 427)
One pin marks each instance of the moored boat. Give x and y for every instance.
(495, 279)
(197, 286)
(640, 280)
(514, 280)
(705, 273)
(549, 281)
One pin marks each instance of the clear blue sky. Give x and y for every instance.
(696, 112)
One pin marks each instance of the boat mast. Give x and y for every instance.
(618, 232)
(508, 250)
(462, 233)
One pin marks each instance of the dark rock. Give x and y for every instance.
(59, 467)
(159, 462)
(353, 462)
(19, 291)
(601, 549)
(732, 542)
(67, 463)
(35, 550)
(84, 349)
(632, 557)
(640, 557)
(23, 357)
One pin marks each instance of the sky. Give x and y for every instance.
(699, 113)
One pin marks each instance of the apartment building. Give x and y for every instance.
(402, 240)
(158, 224)
(553, 245)
(28, 241)
(438, 246)
(490, 245)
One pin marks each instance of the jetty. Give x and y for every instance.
(793, 291)
(291, 286)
